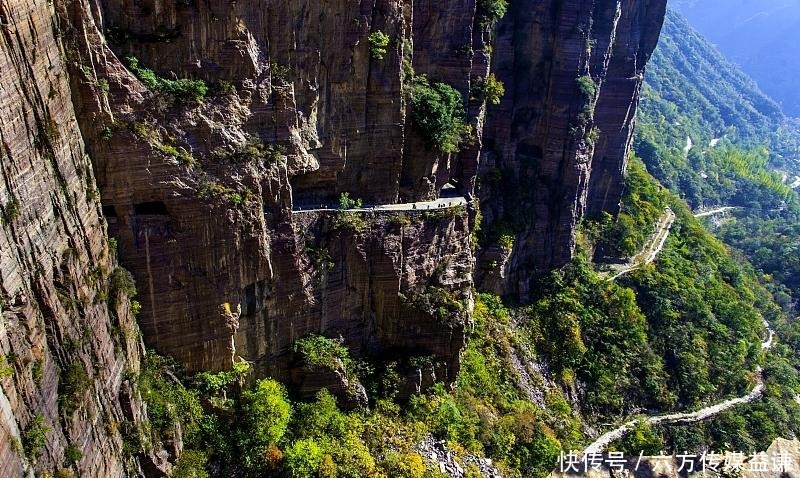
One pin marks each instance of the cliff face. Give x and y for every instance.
(556, 146)
(201, 196)
(204, 196)
(67, 337)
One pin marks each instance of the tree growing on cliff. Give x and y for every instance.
(266, 411)
(490, 89)
(378, 43)
(184, 88)
(437, 112)
(490, 11)
(587, 86)
(347, 202)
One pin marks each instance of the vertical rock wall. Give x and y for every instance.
(201, 195)
(67, 335)
(556, 146)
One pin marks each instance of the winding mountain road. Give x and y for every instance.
(712, 212)
(688, 417)
(650, 250)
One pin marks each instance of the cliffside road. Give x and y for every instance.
(689, 417)
(715, 211)
(442, 203)
(650, 250)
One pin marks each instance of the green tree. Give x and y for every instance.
(491, 89)
(378, 42)
(302, 459)
(266, 412)
(437, 112)
(490, 11)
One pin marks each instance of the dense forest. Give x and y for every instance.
(678, 334)
(760, 36)
(181, 296)
(707, 133)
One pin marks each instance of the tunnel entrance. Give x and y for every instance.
(151, 208)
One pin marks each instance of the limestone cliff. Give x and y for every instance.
(201, 195)
(556, 146)
(67, 335)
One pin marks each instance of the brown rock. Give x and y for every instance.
(542, 151)
(60, 324)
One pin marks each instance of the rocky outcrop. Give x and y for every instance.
(636, 33)
(556, 146)
(200, 194)
(67, 334)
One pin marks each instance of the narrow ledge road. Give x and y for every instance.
(688, 417)
(442, 203)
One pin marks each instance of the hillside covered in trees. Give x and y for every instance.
(708, 133)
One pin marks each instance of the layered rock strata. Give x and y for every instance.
(556, 146)
(200, 195)
(67, 334)
(201, 189)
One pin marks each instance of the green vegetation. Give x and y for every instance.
(506, 240)
(168, 401)
(587, 87)
(346, 202)
(378, 44)
(320, 256)
(214, 190)
(72, 454)
(6, 370)
(177, 152)
(34, 438)
(121, 284)
(489, 412)
(191, 464)
(10, 212)
(437, 112)
(349, 221)
(259, 430)
(490, 89)
(444, 213)
(252, 150)
(225, 87)
(642, 205)
(266, 413)
(212, 383)
(280, 74)
(490, 11)
(319, 351)
(692, 91)
(642, 438)
(441, 303)
(73, 384)
(148, 133)
(37, 371)
(195, 90)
